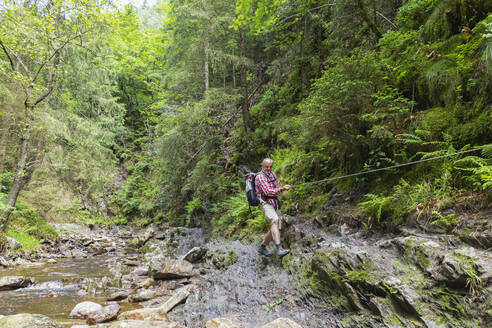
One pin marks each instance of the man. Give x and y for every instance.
(267, 188)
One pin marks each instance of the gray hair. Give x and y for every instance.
(266, 160)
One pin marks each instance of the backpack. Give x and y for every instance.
(251, 196)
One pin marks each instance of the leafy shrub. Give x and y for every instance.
(24, 220)
(413, 14)
(378, 209)
(235, 218)
(6, 180)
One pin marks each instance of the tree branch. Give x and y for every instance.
(387, 19)
(4, 48)
(52, 82)
(55, 53)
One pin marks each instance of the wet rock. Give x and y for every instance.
(221, 258)
(195, 254)
(139, 324)
(14, 282)
(51, 261)
(3, 262)
(22, 262)
(84, 310)
(77, 253)
(160, 313)
(282, 323)
(148, 314)
(106, 314)
(178, 297)
(118, 296)
(222, 323)
(165, 268)
(28, 321)
(147, 283)
(140, 271)
(142, 296)
(132, 263)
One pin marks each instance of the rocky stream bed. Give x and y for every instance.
(335, 276)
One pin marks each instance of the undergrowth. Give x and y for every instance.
(27, 226)
(233, 218)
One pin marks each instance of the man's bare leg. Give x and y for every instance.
(275, 232)
(268, 238)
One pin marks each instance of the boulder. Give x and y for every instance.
(195, 254)
(84, 310)
(160, 313)
(118, 296)
(28, 321)
(138, 324)
(222, 323)
(148, 314)
(178, 297)
(140, 271)
(106, 314)
(282, 323)
(13, 244)
(3, 262)
(77, 253)
(165, 268)
(149, 282)
(14, 282)
(142, 295)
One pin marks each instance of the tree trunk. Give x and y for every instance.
(371, 23)
(244, 86)
(21, 167)
(3, 142)
(207, 81)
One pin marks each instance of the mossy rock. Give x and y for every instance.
(449, 16)
(437, 120)
(221, 258)
(3, 241)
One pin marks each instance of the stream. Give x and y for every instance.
(57, 288)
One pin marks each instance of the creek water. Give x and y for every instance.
(57, 288)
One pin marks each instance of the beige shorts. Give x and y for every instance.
(271, 213)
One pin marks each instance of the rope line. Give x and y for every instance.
(391, 167)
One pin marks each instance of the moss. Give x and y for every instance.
(438, 119)
(422, 259)
(222, 259)
(3, 241)
(28, 242)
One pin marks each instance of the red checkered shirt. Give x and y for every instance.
(267, 187)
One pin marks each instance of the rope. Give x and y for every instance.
(391, 167)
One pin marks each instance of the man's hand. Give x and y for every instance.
(286, 187)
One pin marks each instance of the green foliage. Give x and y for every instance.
(378, 209)
(3, 241)
(31, 223)
(148, 121)
(234, 218)
(413, 14)
(6, 179)
(27, 240)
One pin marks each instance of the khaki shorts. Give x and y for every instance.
(271, 213)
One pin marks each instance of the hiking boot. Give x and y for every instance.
(282, 252)
(264, 251)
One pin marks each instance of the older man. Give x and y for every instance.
(268, 190)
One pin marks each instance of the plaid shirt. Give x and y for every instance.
(267, 187)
